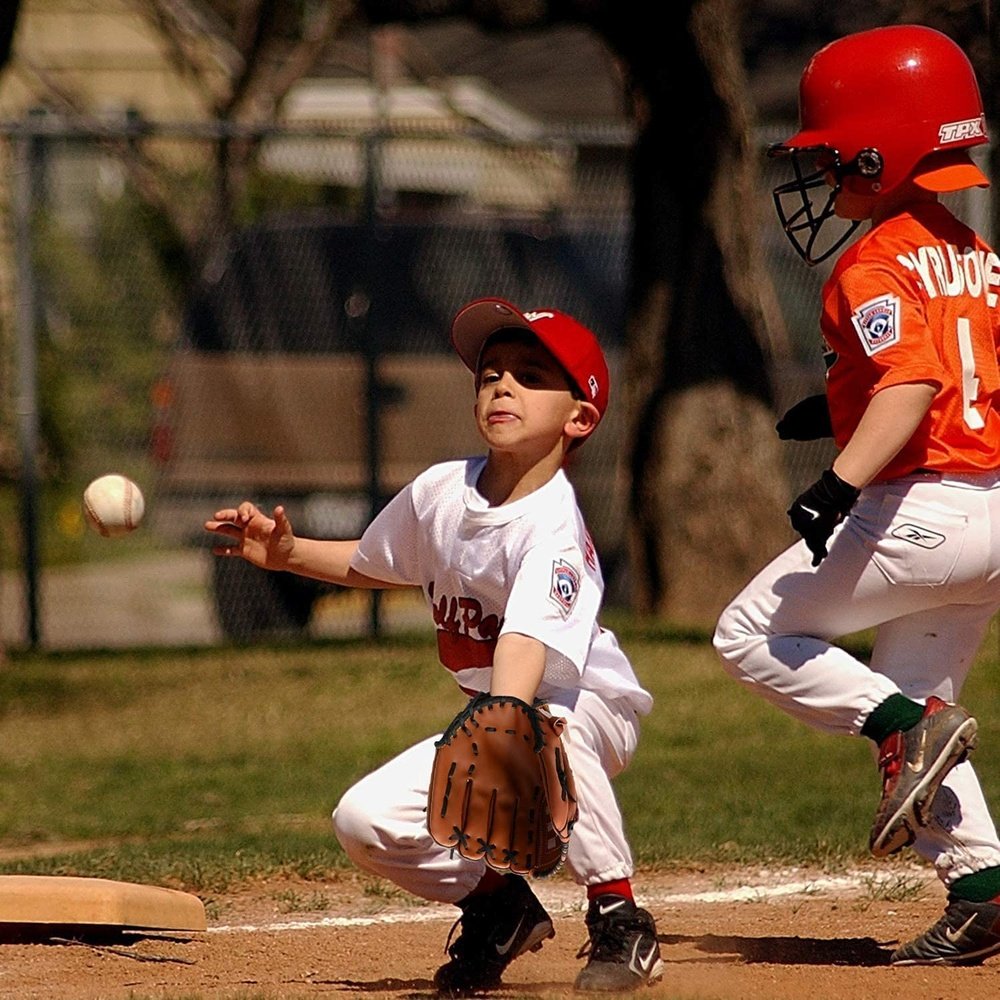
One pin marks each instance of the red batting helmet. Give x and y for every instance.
(877, 108)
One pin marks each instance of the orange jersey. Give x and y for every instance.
(916, 300)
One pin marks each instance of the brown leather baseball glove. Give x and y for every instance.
(501, 787)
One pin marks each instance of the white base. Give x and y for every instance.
(72, 901)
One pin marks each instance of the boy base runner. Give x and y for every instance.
(899, 535)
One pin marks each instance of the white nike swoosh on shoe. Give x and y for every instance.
(955, 936)
(503, 948)
(641, 964)
(812, 513)
(602, 909)
(917, 765)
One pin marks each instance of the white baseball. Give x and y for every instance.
(113, 505)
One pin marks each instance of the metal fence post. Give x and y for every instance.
(23, 194)
(371, 342)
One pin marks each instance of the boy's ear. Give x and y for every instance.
(584, 421)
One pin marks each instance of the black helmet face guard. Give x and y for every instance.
(803, 214)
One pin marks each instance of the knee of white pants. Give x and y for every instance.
(353, 826)
(732, 637)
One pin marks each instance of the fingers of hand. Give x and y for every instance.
(226, 528)
(234, 516)
(818, 549)
(245, 512)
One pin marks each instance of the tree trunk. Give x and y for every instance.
(8, 24)
(708, 491)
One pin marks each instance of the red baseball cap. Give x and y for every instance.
(568, 341)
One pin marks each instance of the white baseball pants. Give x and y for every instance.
(918, 559)
(381, 821)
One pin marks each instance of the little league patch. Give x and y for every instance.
(565, 586)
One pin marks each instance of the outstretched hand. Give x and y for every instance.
(265, 541)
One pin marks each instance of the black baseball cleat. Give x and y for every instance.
(967, 934)
(623, 952)
(496, 929)
(913, 765)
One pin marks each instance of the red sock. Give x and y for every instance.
(491, 881)
(620, 887)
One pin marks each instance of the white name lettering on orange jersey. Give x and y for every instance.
(946, 270)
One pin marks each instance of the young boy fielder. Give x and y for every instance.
(501, 552)
(900, 535)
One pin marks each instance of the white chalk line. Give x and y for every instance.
(561, 903)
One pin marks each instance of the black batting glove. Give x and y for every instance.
(817, 511)
(807, 420)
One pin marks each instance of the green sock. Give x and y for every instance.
(896, 712)
(979, 887)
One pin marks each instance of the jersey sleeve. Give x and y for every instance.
(388, 549)
(555, 598)
(883, 312)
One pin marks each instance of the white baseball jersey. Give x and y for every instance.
(528, 567)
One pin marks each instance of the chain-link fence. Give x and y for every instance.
(292, 348)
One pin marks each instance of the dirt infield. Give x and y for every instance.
(725, 935)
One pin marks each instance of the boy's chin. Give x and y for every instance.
(854, 207)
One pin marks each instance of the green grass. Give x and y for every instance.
(203, 768)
